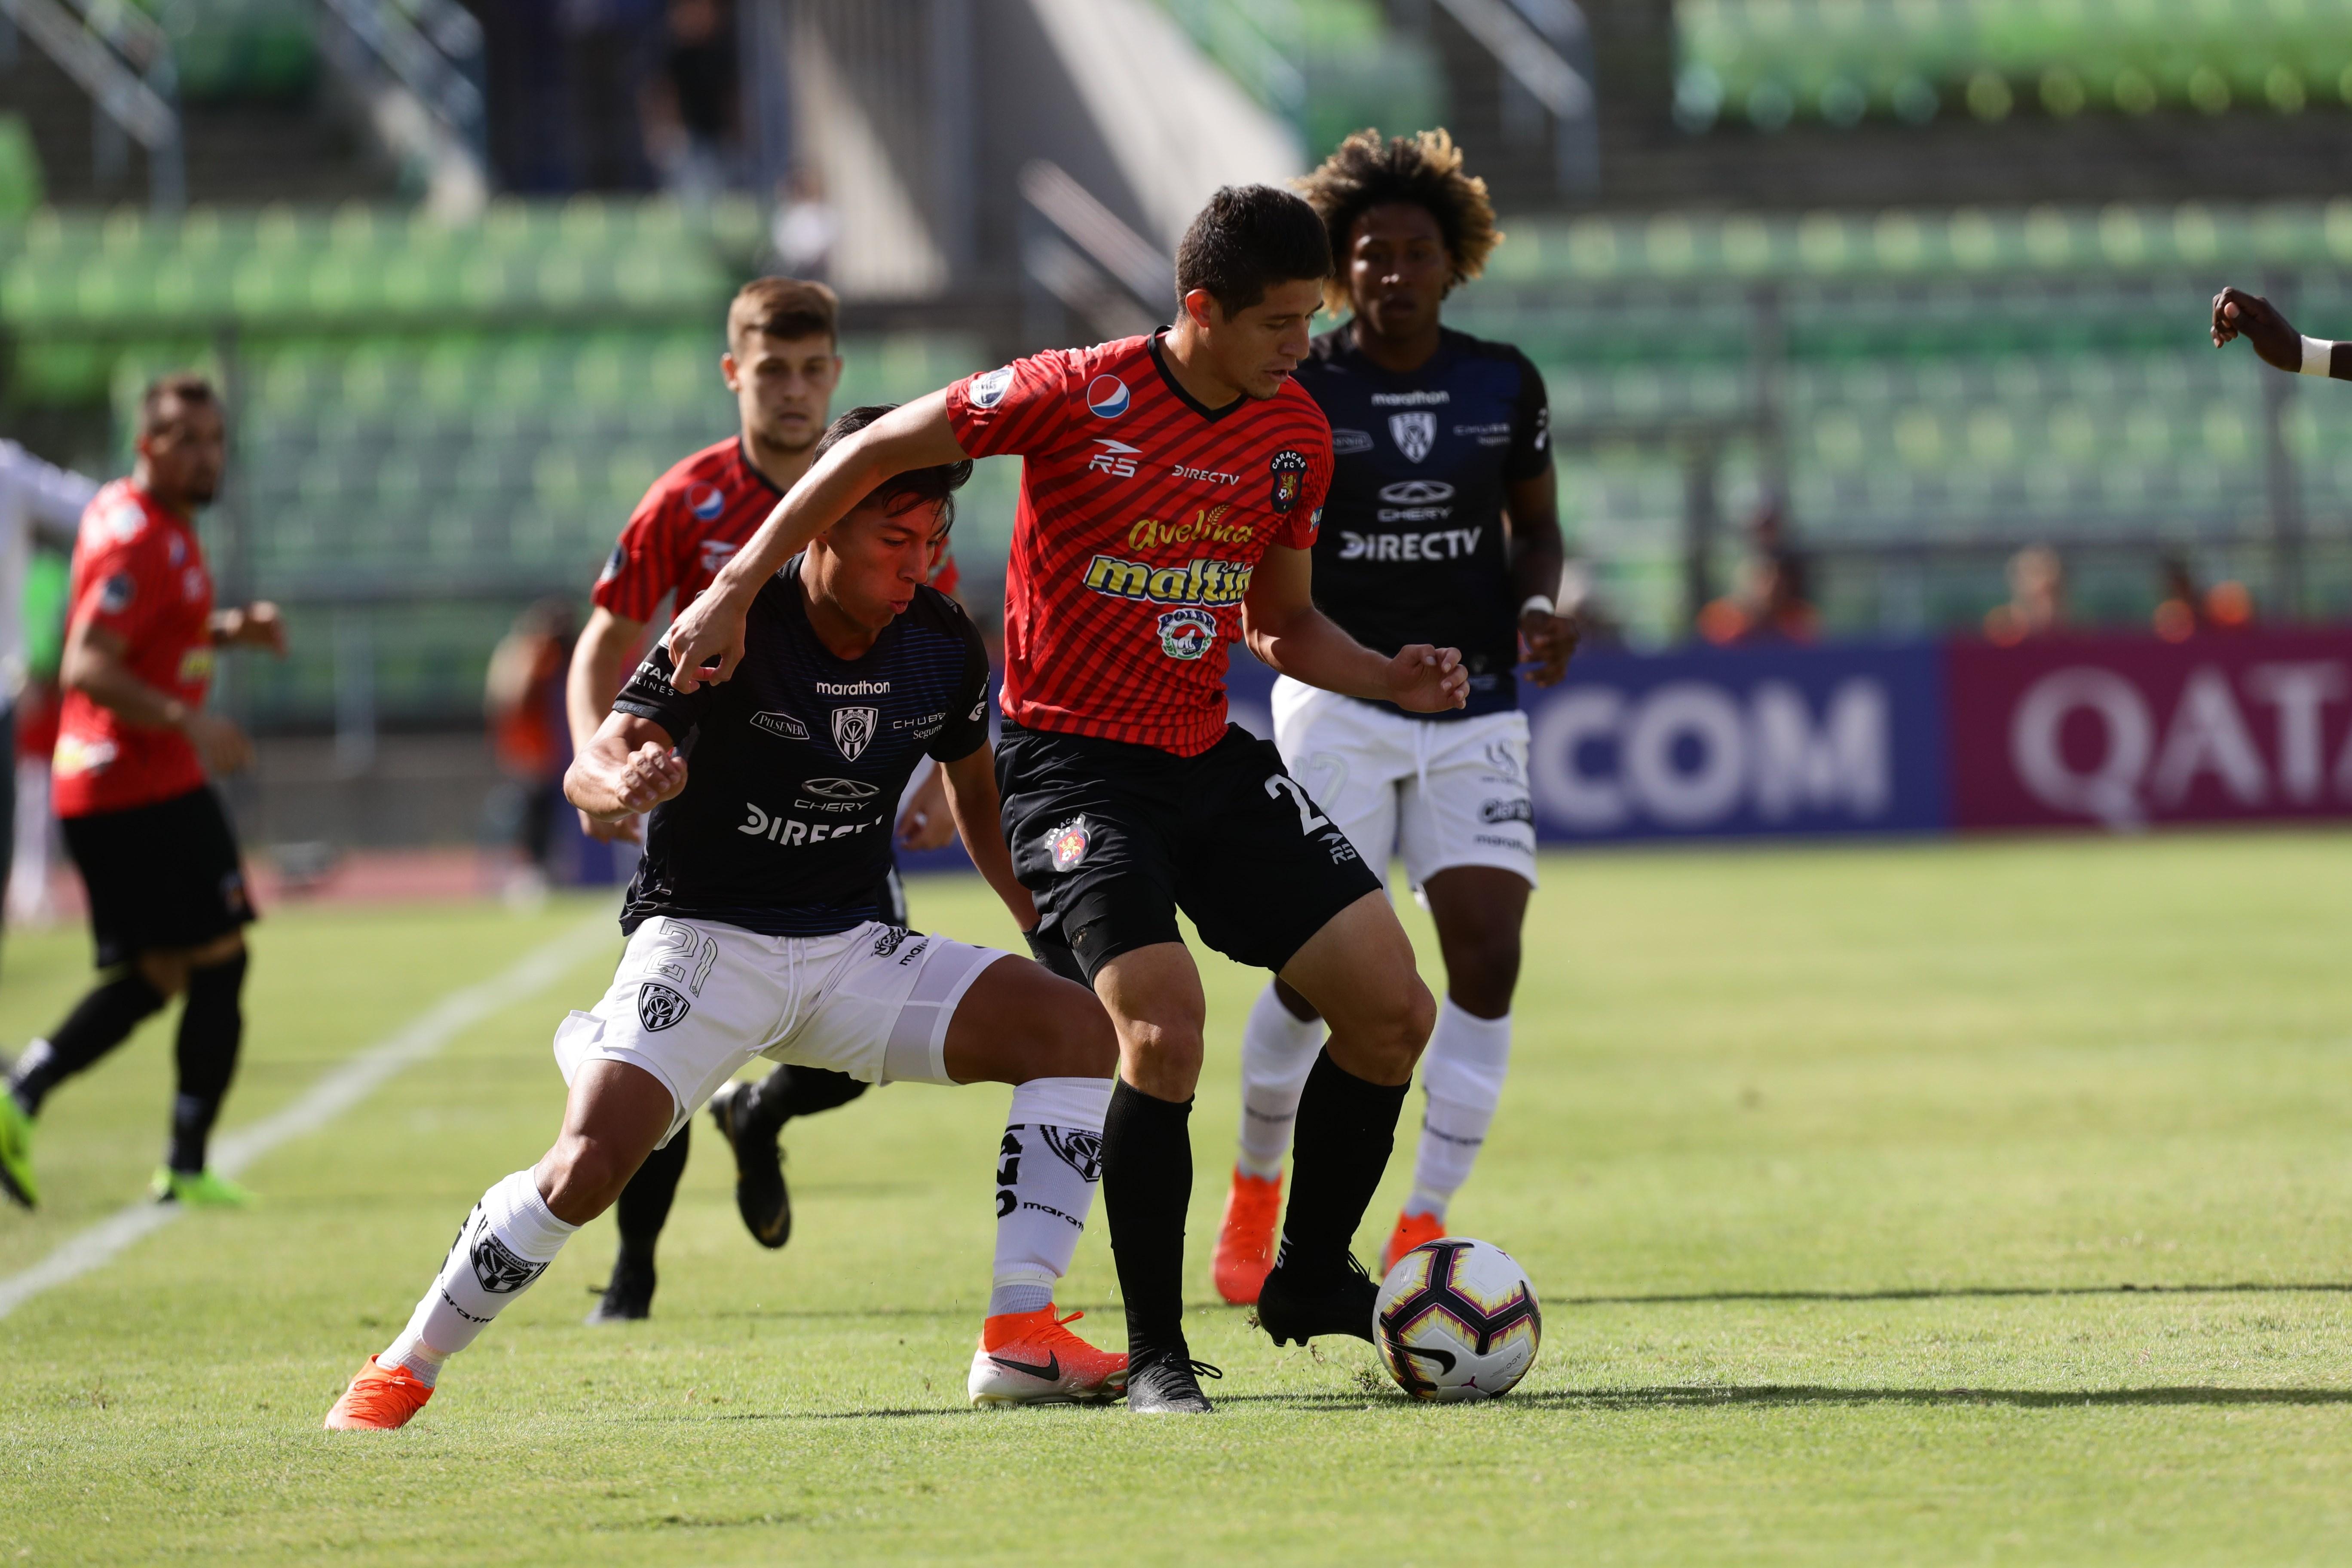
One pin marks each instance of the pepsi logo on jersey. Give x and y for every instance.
(706, 501)
(1107, 397)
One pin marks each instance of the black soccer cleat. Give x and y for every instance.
(761, 1195)
(1295, 1310)
(628, 1294)
(1168, 1382)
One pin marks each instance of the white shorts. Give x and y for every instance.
(693, 1000)
(1440, 792)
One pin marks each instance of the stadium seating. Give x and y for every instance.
(1328, 67)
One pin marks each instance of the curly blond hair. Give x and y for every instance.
(1424, 169)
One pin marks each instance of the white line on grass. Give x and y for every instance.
(339, 1091)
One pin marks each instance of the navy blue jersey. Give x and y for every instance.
(1413, 546)
(794, 767)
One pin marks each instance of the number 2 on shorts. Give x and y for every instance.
(1309, 819)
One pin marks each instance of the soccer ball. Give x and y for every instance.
(1457, 1320)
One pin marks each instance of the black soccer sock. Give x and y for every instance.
(1346, 1128)
(100, 1021)
(791, 1091)
(1146, 1183)
(644, 1204)
(212, 1027)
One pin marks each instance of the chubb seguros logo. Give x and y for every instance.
(1694, 754)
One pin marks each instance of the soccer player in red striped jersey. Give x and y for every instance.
(1169, 503)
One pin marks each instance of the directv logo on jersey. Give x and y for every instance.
(1117, 458)
(1414, 434)
(1187, 634)
(1445, 544)
(1107, 397)
(987, 391)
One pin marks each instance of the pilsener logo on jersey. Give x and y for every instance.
(1199, 581)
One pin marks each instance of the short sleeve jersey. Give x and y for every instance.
(1144, 515)
(139, 573)
(794, 767)
(1413, 547)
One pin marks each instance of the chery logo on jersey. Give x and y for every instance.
(987, 391)
(1187, 634)
(852, 731)
(1197, 582)
(1289, 470)
(1416, 501)
(1414, 434)
(1107, 397)
(706, 501)
(833, 796)
(1117, 458)
(1208, 527)
(1441, 545)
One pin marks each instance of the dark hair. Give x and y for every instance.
(1425, 170)
(180, 387)
(916, 485)
(1246, 240)
(782, 307)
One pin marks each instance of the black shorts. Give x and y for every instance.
(1112, 839)
(161, 876)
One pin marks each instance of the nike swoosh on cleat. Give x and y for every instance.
(1049, 1370)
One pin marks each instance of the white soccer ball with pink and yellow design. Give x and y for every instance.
(1457, 1320)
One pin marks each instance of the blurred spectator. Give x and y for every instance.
(40, 503)
(2037, 599)
(805, 228)
(524, 697)
(2184, 611)
(690, 126)
(1770, 605)
(609, 49)
(528, 99)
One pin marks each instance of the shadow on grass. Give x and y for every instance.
(1954, 1292)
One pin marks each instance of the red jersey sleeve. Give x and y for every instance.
(1305, 519)
(1020, 408)
(644, 564)
(121, 584)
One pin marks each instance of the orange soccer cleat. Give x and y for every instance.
(379, 1399)
(1031, 1357)
(1245, 1239)
(1411, 1230)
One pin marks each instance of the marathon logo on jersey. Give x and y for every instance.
(1416, 501)
(1414, 434)
(1187, 634)
(1289, 470)
(498, 1269)
(1208, 527)
(114, 594)
(782, 724)
(706, 501)
(1107, 397)
(1439, 545)
(987, 391)
(658, 1006)
(1410, 399)
(1067, 843)
(852, 731)
(1200, 582)
(1117, 458)
(1348, 443)
(717, 552)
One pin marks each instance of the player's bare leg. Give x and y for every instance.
(1358, 972)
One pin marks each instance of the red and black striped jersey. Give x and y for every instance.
(1144, 515)
(693, 519)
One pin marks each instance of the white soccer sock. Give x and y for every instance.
(505, 1243)
(1047, 1172)
(1278, 1050)
(1462, 1073)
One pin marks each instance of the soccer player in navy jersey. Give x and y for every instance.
(1169, 495)
(1441, 527)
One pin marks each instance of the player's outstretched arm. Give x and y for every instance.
(710, 630)
(2237, 314)
(595, 675)
(1289, 633)
(972, 798)
(631, 766)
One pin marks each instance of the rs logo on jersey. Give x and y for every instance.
(1117, 458)
(852, 731)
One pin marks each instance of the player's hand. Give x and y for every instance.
(708, 631)
(1551, 643)
(221, 745)
(927, 824)
(2237, 313)
(620, 830)
(257, 624)
(1426, 679)
(653, 774)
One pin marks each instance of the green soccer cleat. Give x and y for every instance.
(17, 1151)
(198, 1190)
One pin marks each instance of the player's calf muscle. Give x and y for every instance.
(615, 1115)
(1358, 972)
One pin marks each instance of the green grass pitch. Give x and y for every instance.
(1911, 1204)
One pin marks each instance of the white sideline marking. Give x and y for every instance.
(341, 1089)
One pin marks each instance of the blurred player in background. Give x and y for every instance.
(167, 895)
(782, 364)
(1170, 487)
(523, 698)
(39, 502)
(1441, 528)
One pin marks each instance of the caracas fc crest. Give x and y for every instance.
(1414, 433)
(1187, 634)
(1067, 843)
(1289, 470)
(852, 731)
(658, 1006)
